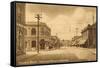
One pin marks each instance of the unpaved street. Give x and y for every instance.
(68, 54)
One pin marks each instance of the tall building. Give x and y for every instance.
(20, 30)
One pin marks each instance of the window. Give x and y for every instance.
(42, 31)
(33, 31)
(18, 9)
(33, 43)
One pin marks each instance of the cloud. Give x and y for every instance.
(63, 20)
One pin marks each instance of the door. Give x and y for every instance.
(42, 44)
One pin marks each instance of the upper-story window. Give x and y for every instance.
(42, 31)
(18, 9)
(33, 31)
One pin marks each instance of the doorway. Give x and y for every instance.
(42, 44)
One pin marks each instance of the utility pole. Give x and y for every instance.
(93, 19)
(38, 21)
(76, 31)
(19, 39)
(76, 34)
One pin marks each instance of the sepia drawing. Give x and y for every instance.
(54, 33)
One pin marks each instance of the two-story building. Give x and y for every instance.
(31, 38)
(27, 34)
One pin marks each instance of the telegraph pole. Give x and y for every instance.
(76, 31)
(38, 21)
(93, 19)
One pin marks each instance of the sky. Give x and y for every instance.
(63, 20)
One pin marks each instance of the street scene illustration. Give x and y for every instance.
(55, 34)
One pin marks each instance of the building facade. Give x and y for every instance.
(87, 38)
(65, 43)
(89, 33)
(55, 42)
(20, 30)
(31, 38)
(27, 34)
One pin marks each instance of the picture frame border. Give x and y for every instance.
(13, 32)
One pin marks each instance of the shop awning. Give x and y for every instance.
(82, 41)
(73, 43)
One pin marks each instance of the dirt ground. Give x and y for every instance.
(68, 54)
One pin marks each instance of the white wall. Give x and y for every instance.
(5, 34)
